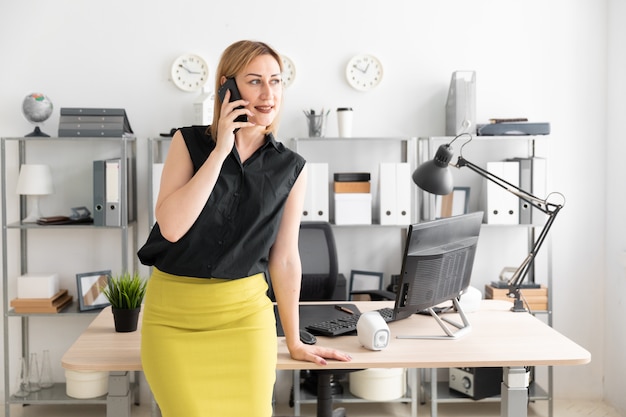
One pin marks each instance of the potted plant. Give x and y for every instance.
(125, 292)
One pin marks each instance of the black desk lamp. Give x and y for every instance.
(435, 177)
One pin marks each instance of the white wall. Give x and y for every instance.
(615, 254)
(542, 60)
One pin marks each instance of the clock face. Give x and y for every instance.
(190, 72)
(289, 71)
(364, 72)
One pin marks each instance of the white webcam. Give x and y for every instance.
(372, 331)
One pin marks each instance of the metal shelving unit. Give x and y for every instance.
(122, 147)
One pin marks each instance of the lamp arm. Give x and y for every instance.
(551, 209)
(518, 276)
(536, 202)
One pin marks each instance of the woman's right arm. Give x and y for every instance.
(183, 195)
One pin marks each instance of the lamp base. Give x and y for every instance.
(34, 214)
(518, 306)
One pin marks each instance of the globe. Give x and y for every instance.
(37, 108)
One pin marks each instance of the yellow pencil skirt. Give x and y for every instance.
(209, 346)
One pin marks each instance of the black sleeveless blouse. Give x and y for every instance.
(237, 227)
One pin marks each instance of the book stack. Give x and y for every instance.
(536, 298)
(353, 199)
(92, 122)
(53, 304)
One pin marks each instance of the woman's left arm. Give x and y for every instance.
(286, 273)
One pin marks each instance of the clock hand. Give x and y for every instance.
(359, 68)
(187, 69)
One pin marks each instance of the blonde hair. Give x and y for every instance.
(235, 59)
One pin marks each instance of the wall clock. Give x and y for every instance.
(364, 72)
(189, 72)
(289, 71)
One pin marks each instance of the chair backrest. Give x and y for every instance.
(318, 255)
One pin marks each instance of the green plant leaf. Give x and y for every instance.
(125, 291)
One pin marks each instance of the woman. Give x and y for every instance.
(228, 210)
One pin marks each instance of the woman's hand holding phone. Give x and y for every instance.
(230, 87)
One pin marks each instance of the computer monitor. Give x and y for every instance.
(437, 267)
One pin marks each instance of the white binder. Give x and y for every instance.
(395, 193)
(113, 215)
(502, 207)
(157, 173)
(387, 193)
(316, 206)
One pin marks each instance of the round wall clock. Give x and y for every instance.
(189, 72)
(364, 72)
(289, 71)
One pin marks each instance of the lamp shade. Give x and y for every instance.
(434, 176)
(34, 179)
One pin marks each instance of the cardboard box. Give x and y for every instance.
(352, 187)
(353, 208)
(37, 285)
(536, 298)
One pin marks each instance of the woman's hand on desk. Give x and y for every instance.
(316, 354)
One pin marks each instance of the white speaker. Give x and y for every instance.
(372, 331)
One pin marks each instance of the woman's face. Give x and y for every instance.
(260, 83)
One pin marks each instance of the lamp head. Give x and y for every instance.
(435, 176)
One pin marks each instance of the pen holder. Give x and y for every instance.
(317, 124)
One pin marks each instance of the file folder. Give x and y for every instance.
(316, 205)
(113, 192)
(99, 193)
(403, 193)
(157, 172)
(387, 194)
(502, 207)
(461, 103)
(395, 193)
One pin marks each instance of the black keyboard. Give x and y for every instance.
(343, 325)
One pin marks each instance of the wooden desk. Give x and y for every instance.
(498, 337)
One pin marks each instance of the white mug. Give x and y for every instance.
(344, 121)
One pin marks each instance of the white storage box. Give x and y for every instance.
(378, 384)
(86, 384)
(353, 208)
(37, 285)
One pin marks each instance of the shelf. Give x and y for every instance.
(22, 226)
(55, 395)
(353, 139)
(446, 395)
(347, 397)
(71, 310)
(73, 139)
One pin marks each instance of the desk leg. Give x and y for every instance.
(514, 392)
(433, 392)
(119, 396)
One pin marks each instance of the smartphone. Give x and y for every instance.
(231, 85)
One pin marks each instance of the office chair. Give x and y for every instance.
(369, 284)
(318, 255)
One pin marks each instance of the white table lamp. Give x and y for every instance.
(34, 180)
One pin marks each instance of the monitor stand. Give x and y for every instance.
(462, 328)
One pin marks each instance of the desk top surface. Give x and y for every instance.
(498, 337)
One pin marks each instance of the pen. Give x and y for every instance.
(345, 310)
